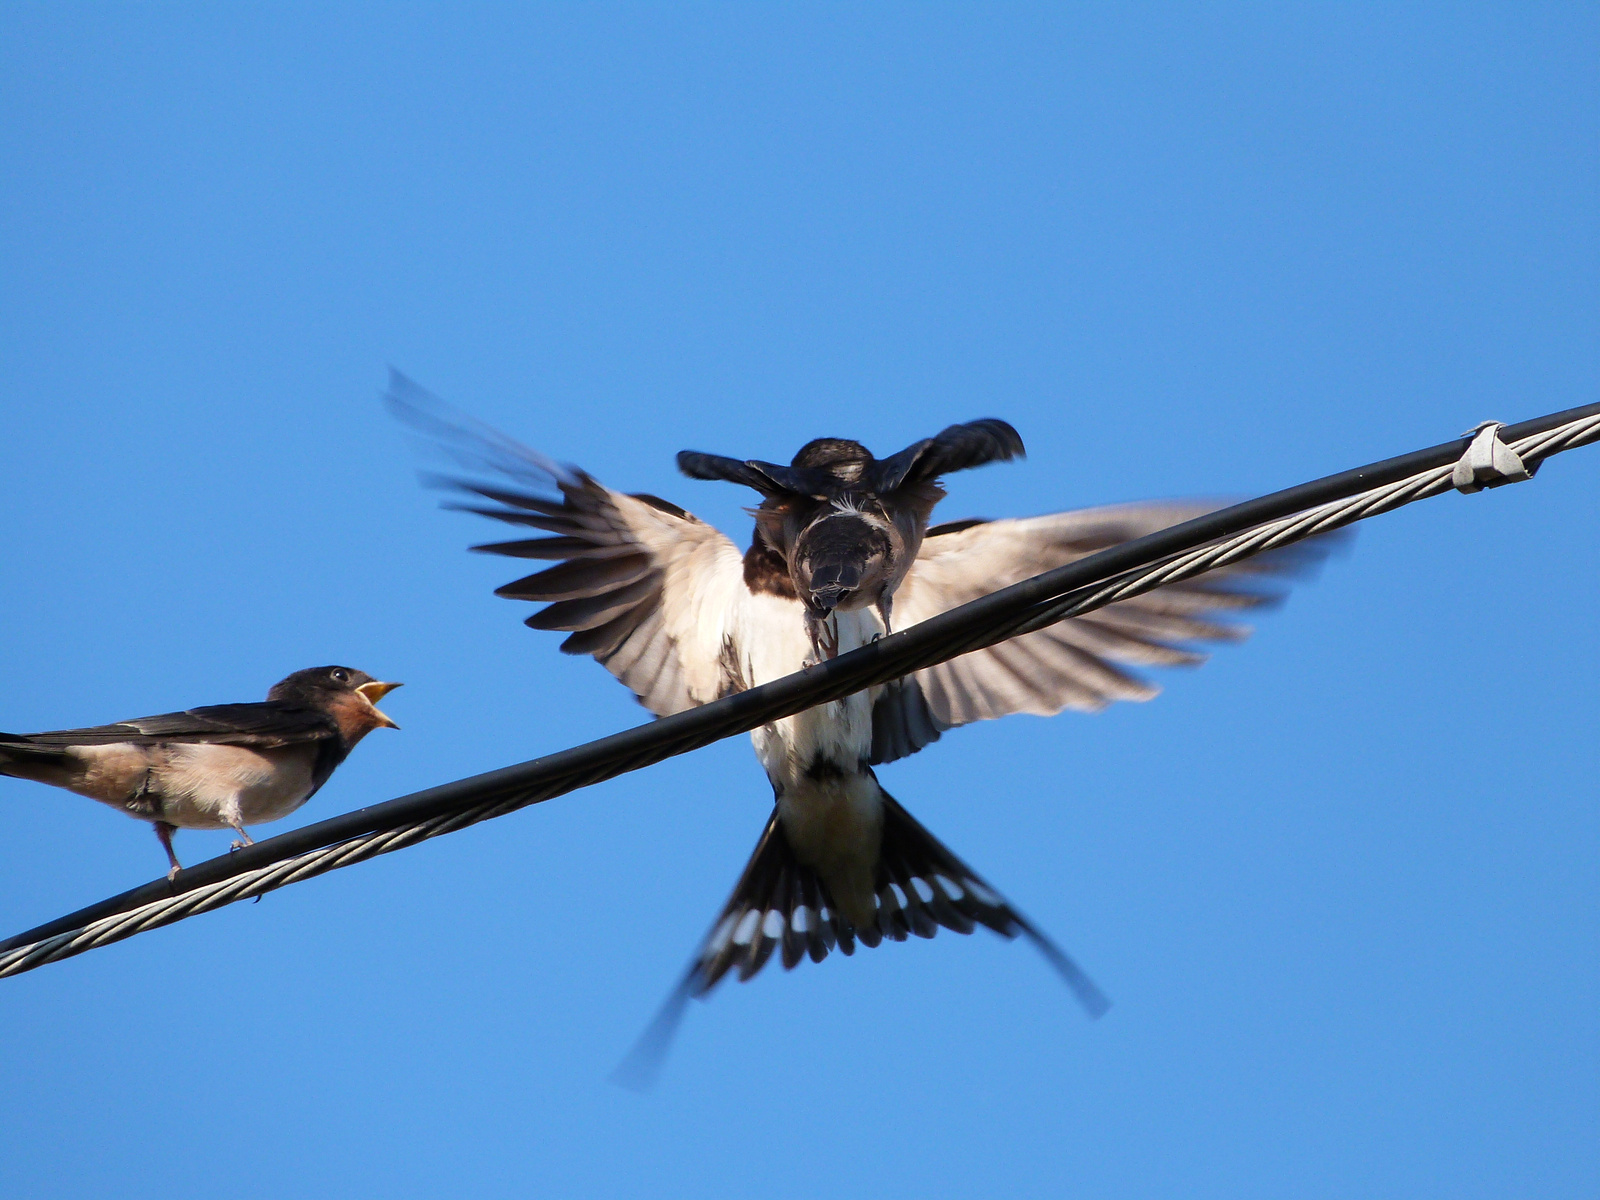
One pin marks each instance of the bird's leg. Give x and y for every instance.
(244, 839)
(824, 638)
(165, 831)
(815, 656)
(885, 604)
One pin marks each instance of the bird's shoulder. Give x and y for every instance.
(766, 573)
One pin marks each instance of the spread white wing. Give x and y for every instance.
(1074, 664)
(643, 586)
(646, 588)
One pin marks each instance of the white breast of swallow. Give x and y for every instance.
(211, 787)
(774, 643)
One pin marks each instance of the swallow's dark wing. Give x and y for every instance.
(1074, 664)
(770, 479)
(956, 448)
(262, 725)
(646, 588)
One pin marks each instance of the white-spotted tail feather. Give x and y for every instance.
(781, 907)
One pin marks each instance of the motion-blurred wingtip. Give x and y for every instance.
(465, 439)
(640, 1070)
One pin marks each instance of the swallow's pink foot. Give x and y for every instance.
(165, 831)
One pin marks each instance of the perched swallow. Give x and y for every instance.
(842, 553)
(224, 766)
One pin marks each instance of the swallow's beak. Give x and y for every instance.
(826, 599)
(372, 693)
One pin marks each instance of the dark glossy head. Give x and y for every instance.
(343, 691)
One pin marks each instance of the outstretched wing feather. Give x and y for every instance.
(641, 585)
(1074, 664)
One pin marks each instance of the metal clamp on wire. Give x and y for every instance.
(1488, 462)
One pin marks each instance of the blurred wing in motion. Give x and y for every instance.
(640, 584)
(1076, 663)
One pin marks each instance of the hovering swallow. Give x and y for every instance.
(842, 553)
(224, 766)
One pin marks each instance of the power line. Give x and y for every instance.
(1180, 552)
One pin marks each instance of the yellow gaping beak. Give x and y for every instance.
(372, 693)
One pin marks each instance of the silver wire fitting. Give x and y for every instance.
(1488, 462)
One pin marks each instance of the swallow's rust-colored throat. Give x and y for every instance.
(357, 713)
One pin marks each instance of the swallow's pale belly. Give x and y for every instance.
(196, 786)
(828, 800)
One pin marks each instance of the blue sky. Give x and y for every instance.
(1341, 883)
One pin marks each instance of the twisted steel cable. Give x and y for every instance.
(1181, 552)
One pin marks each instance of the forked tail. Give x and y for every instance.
(780, 906)
(21, 758)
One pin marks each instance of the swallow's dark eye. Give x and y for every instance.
(341, 675)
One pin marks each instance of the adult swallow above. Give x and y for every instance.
(224, 766)
(842, 553)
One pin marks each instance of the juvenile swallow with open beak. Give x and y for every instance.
(224, 766)
(842, 553)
